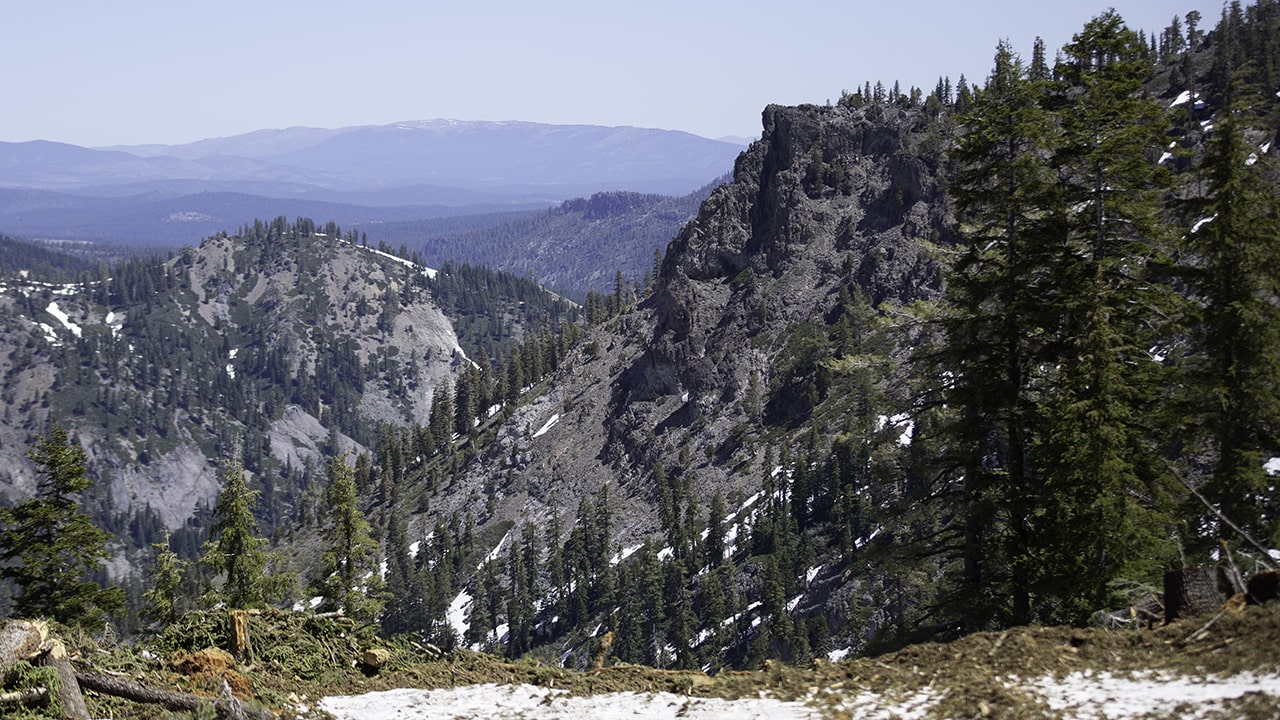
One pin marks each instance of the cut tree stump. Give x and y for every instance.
(240, 646)
(1191, 591)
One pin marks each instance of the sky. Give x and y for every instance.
(129, 72)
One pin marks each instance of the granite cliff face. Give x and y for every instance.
(828, 197)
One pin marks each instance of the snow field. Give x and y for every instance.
(1078, 696)
(538, 703)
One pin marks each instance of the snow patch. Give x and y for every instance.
(547, 426)
(457, 614)
(900, 420)
(539, 703)
(1272, 466)
(1101, 695)
(1183, 98)
(63, 318)
(626, 553)
(1202, 222)
(1164, 158)
(838, 655)
(50, 335)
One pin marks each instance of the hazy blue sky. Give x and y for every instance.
(91, 72)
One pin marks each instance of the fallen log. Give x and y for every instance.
(20, 640)
(227, 706)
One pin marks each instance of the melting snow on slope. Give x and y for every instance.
(1202, 222)
(457, 614)
(63, 318)
(547, 426)
(903, 420)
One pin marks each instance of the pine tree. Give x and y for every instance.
(49, 548)
(351, 558)
(1236, 367)
(1010, 218)
(164, 580)
(1104, 483)
(235, 550)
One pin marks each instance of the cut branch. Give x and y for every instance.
(30, 696)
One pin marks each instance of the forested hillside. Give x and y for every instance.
(276, 347)
(930, 363)
(579, 246)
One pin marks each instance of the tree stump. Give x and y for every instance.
(1190, 592)
(240, 646)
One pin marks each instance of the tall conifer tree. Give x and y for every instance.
(1236, 367)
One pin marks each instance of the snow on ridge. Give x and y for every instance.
(429, 272)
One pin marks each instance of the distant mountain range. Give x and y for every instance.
(176, 194)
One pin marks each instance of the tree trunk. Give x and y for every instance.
(69, 695)
(1191, 591)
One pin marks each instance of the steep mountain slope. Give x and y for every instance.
(677, 405)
